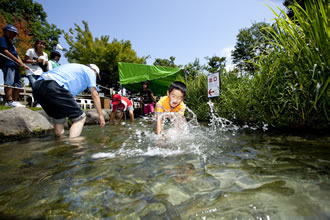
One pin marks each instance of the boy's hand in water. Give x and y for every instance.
(161, 140)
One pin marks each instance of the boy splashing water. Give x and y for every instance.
(173, 102)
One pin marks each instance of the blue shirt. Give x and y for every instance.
(73, 77)
(6, 44)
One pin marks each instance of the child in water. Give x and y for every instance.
(119, 105)
(147, 99)
(173, 103)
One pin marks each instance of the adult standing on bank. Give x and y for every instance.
(37, 60)
(10, 63)
(56, 89)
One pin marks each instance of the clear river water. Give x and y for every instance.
(215, 171)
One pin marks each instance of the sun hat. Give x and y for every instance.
(11, 28)
(95, 68)
(116, 99)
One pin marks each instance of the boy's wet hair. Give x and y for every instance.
(179, 86)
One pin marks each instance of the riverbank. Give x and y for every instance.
(18, 123)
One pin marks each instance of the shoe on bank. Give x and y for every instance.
(18, 104)
(14, 104)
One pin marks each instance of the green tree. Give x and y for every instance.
(34, 16)
(166, 62)
(23, 40)
(85, 49)
(215, 64)
(251, 43)
(193, 70)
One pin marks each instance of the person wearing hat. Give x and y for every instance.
(10, 63)
(55, 91)
(54, 58)
(120, 104)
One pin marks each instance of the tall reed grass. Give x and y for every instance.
(291, 87)
(295, 73)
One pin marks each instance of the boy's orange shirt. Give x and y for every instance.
(163, 105)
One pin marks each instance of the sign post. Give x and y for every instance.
(213, 85)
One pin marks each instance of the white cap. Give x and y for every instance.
(94, 67)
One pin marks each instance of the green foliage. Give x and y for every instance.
(215, 64)
(166, 62)
(193, 70)
(85, 49)
(291, 86)
(296, 73)
(196, 98)
(238, 99)
(251, 42)
(33, 14)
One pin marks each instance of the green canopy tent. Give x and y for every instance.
(132, 75)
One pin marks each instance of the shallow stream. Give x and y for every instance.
(200, 172)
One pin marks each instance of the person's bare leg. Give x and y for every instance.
(131, 115)
(77, 127)
(9, 94)
(59, 130)
(16, 94)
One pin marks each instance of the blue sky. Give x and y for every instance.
(185, 29)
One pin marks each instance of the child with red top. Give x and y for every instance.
(120, 104)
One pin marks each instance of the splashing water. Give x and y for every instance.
(178, 136)
(219, 123)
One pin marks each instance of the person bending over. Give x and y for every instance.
(56, 89)
(119, 105)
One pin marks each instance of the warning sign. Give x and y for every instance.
(213, 85)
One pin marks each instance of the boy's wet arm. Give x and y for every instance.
(159, 116)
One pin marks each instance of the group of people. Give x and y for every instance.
(35, 62)
(173, 102)
(55, 86)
